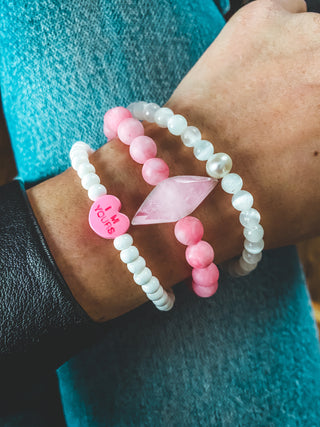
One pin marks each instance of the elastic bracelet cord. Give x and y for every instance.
(107, 221)
(218, 165)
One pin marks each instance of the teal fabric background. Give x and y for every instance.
(248, 356)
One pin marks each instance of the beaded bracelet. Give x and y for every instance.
(118, 121)
(107, 221)
(217, 166)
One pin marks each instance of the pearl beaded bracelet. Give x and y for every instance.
(218, 166)
(108, 222)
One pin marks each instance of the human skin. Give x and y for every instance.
(255, 94)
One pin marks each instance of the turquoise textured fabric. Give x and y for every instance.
(248, 356)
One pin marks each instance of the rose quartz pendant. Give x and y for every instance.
(173, 199)
(105, 218)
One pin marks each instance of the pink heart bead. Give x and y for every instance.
(105, 218)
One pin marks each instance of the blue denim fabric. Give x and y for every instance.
(250, 355)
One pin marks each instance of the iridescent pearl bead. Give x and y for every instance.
(156, 295)
(242, 200)
(203, 150)
(129, 129)
(251, 258)
(254, 234)
(250, 218)
(206, 276)
(143, 277)
(84, 169)
(177, 124)
(204, 291)
(190, 136)
(246, 266)
(137, 265)
(149, 111)
(155, 170)
(89, 180)
(189, 230)
(96, 191)
(129, 255)
(254, 247)
(123, 242)
(143, 148)
(114, 117)
(162, 116)
(219, 165)
(138, 109)
(199, 255)
(232, 183)
(152, 286)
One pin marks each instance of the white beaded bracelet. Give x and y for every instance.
(129, 254)
(218, 166)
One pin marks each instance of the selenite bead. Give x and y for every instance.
(254, 234)
(189, 230)
(137, 265)
(90, 179)
(162, 300)
(129, 129)
(249, 218)
(177, 124)
(149, 111)
(219, 165)
(78, 160)
(232, 183)
(203, 150)
(129, 254)
(96, 191)
(155, 170)
(143, 277)
(190, 136)
(204, 291)
(199, 255)
(84, 169)
(242, 200)
(254, 247)
(152, 286)
(123, 242)
(138, 109)
(162, 116)
(114, 117)
(206, 276)
(156, 295)
(143, 148)
(246, 266)
(251, 258)
(169, 305)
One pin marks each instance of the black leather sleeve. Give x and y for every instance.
(41, 324)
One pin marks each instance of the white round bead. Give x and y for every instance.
(219, 165)
(123, 242)
(246, 266)
(163, 300)
(254, 247)
(79, 159)
(169, 305)
(254, 234)
(96, 191)
(129, 254)
(251, 258)
(235, 269)
(250, 218)
(80, 145)
(152, 286)
(203, 150)
(89, 180)
(84, 169)
(131, 106)
(162, 116)
(156, 295)
(143, 277)
(190, 136)
(232, 183)
(177, 124)
(242, 200)
(78, 152)
(137, 265)
(138, 110)
(149, 111)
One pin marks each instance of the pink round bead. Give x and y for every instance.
(110, 134)
(199, 255)
(129, 129)
(114, 117)
(206, 276)
(204, 291)
(189, 230)
(155, 170)
(143, 148)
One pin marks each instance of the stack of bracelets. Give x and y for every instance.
(172, 200)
